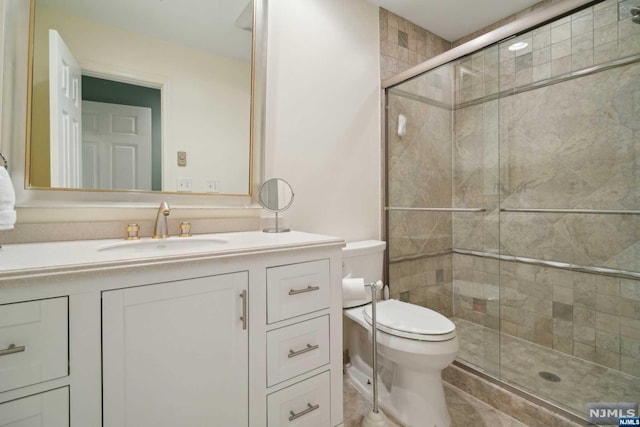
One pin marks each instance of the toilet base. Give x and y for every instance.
(360, 375)
(375, 419)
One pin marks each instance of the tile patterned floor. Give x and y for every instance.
(464, 409)
(518, 362)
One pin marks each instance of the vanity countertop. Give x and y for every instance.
(49, 258)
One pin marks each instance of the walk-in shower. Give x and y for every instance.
(513, 204)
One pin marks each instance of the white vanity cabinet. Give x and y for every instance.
(48, 409)
(176, 354)
(249, 334)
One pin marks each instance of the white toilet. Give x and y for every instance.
(414, 345)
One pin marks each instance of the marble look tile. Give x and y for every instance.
(561, 66)
(584, 317)
(628, 259)
(605, 35)
(533, 236)
(562, 311)
(608, 358)
(581, 380)
(605, 16)
(630, 347)
(630, 289)
(629, 45)
(541, 39)
(605, 53)
(608, 341)
(607, 322)
(630, 308)
(614, 235)
(560, 32)
(584, 334)
(582, 24)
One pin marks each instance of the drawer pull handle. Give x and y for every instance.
(12, 349)
(304, 350)
(302, 291)
(310, 408)
(243, 318)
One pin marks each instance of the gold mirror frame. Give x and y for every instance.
(256, 119)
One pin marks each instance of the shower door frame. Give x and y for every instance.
(511, 30)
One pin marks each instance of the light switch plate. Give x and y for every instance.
(182, 158)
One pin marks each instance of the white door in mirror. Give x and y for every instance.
(116, 146)
(65, 110)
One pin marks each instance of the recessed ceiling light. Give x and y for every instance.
(518, 46)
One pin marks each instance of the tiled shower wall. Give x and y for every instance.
(595, 318)
(571, 145)
(574, 144)
(404, 44)
(420, 174)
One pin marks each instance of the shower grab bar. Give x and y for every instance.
(395, 208)
(575, 211)
(601, 271)
(415, 257)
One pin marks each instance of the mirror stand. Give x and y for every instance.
(276, 195)
(277, 229)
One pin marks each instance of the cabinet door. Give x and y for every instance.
(48, 409)
(176, 354)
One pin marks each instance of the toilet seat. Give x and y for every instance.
(411, 321)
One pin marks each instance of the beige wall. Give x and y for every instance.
(323, 114)
(208, 97)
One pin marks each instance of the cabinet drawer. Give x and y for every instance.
(49, 409)
(296, 349)
(297, 289)
(33, 342)
(306, 403)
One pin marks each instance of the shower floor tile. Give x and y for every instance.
(519, 363)
(465, 410)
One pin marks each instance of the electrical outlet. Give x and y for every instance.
(183, 184)
(213, 186)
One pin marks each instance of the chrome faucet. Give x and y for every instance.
(161, 231)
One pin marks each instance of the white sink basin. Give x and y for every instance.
(164, 246)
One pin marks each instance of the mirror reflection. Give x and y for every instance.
(148, 95)
(276, 195)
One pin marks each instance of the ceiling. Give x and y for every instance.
(202, 24)
(454, 19)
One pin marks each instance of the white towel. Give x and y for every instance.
(7, 201)
(7, 220)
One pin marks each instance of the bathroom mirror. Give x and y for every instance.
(276, 195)
(149, 95)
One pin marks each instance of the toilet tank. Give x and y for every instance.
(363, 259)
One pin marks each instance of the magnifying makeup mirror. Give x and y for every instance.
(276, 195)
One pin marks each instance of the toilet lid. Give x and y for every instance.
(404, 319)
